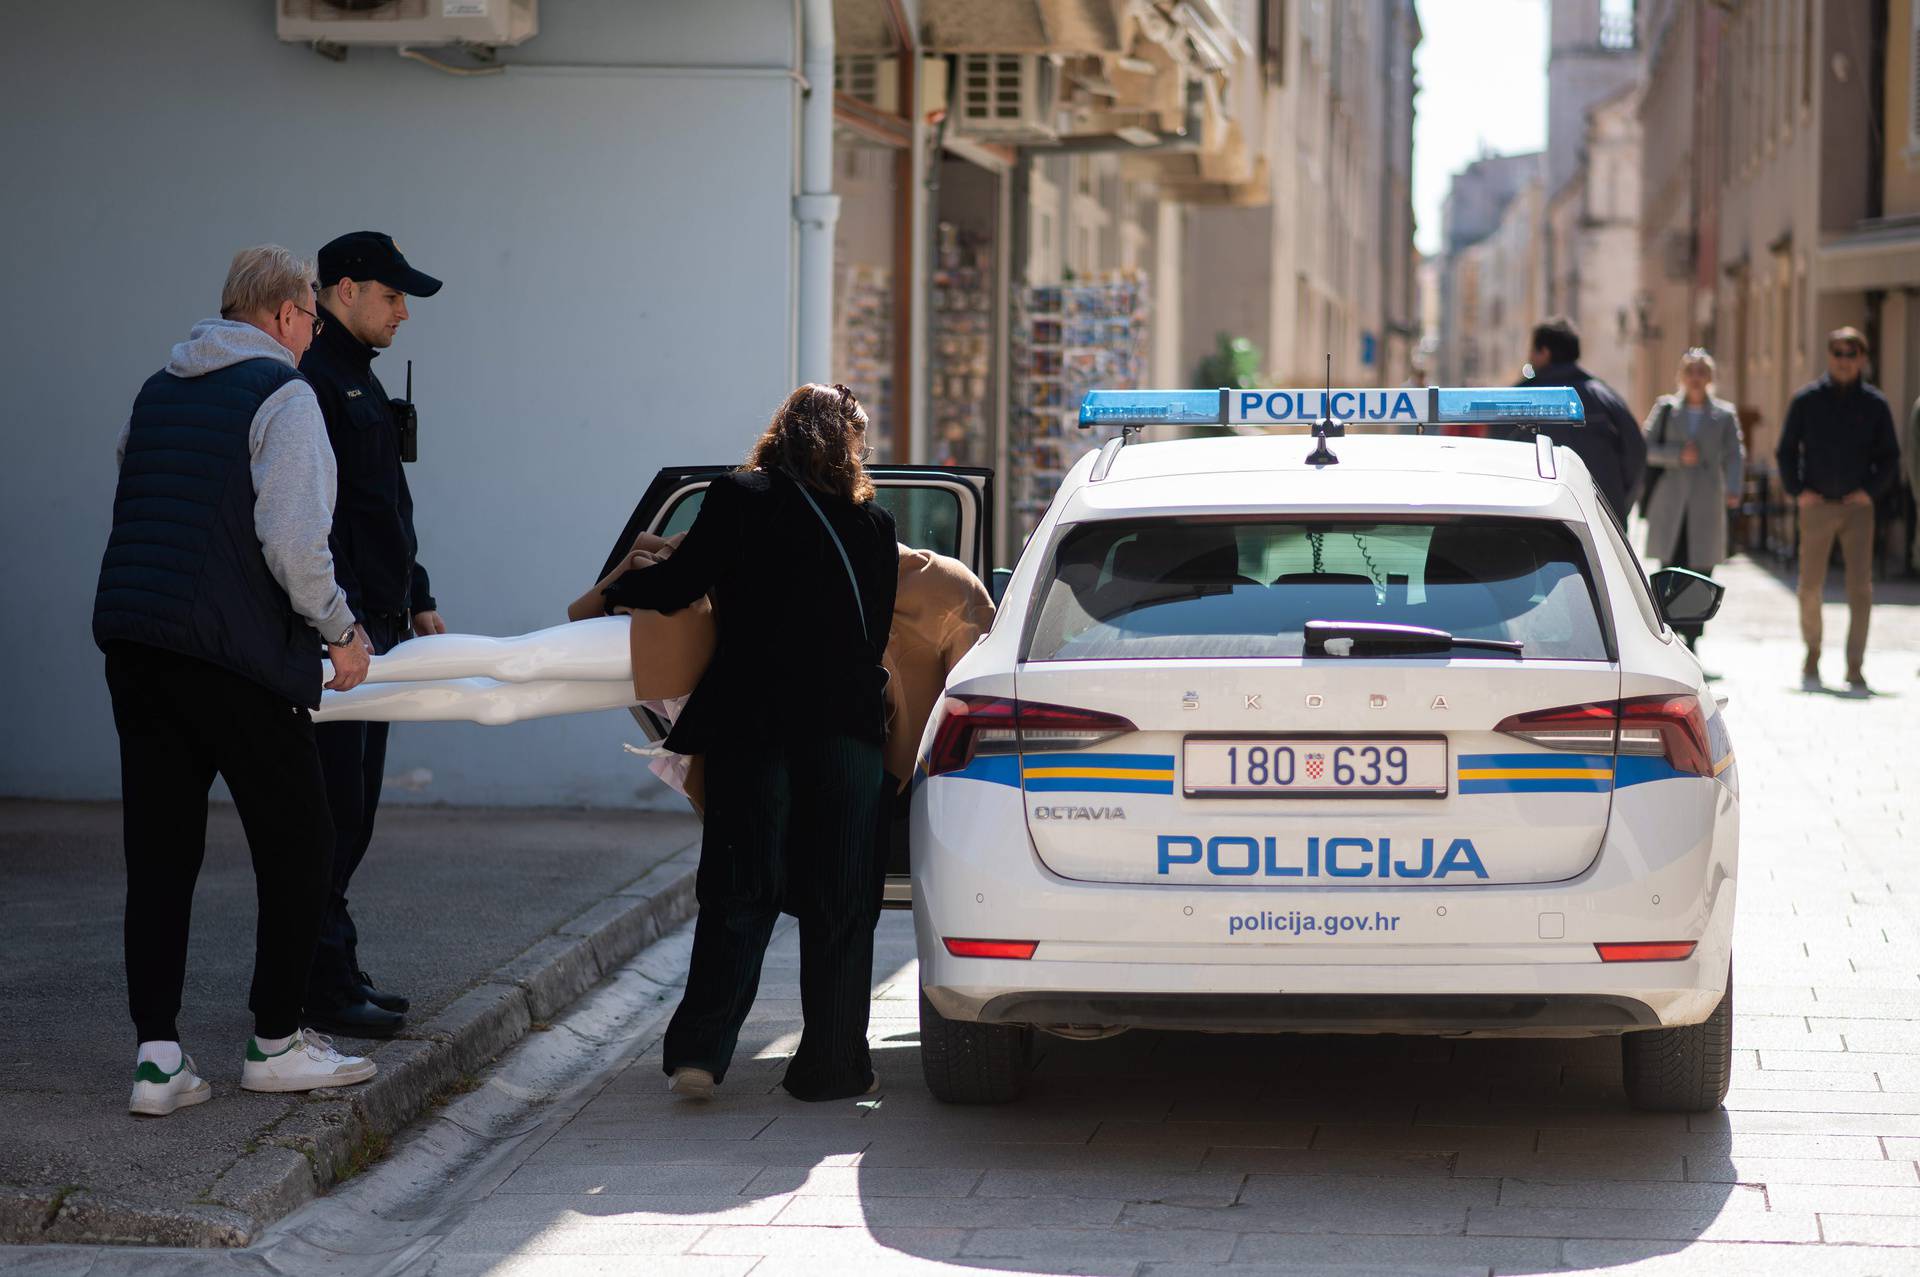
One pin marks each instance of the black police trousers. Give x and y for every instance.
(181, 722)
(353, 756)
(793, 826)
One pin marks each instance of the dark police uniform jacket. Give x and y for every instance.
(1609, 440)
(373, 542)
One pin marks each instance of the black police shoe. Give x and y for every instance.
(395, 1002)
(355, 1020)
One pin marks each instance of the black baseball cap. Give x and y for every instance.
(372, 255)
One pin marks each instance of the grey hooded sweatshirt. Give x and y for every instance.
(292, 466)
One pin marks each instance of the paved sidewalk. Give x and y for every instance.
(443, 900)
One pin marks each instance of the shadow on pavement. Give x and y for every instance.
(1163, 1149)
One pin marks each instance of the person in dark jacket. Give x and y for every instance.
(364, 286)
(1837, 454)
(1609, 440)
(215, 600)
(802, 565)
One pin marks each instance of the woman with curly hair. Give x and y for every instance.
(802, 564)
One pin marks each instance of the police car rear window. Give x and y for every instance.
(1160, 588)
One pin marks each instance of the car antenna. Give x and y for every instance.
(1326, 428)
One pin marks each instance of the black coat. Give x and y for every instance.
(789, 662)
(373, 542)
(1609, 440)
(1838, 439)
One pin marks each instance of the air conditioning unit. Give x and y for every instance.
(869, 78)
(408, 22)
(1009, 96)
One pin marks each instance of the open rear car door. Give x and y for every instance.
(946, 509)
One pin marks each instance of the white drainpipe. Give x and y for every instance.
(816, 209)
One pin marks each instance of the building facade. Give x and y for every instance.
(652, 220)
(1313, 255)
(1490, 271)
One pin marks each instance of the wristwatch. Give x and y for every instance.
(345, 638)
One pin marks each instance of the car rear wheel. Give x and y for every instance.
(1681, 1070)
(967, 1063)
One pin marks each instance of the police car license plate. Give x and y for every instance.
(1315, 766)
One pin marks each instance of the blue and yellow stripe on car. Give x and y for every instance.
(1076, 773)
(1552, 773)
(1543, 773)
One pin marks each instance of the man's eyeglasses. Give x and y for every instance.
(319, 324)
(1844, 352)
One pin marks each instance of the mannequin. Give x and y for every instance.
(567, 669)
(595, 662)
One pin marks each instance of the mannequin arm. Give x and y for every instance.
(596, 650)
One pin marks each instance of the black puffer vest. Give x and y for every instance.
(183, 569)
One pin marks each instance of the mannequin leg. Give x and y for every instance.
(476, 700)
(582, 651)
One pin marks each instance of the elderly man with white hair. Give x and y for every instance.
(216, 599)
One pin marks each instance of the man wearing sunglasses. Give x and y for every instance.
(1837, 455)
(365, 284)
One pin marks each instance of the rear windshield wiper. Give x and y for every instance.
(1377, 638)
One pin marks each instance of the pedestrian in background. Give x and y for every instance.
(1609, 439)
(1696, 465)
(364, 283)
(802, 565)
(216, 596)
(1837, 454)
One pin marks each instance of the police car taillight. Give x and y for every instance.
(1578, 729)
(972, 726)
(1672, 727)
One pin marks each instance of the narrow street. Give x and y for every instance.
(1168, 1154)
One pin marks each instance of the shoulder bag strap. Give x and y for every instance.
(845, 562)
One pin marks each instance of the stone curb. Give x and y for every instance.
(338, 1132)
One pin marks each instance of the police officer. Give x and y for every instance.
(364, 287)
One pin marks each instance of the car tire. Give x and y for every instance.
(969, 1063)
(1681, 1070)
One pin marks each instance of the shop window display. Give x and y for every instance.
(1068, 339)
(960, 320)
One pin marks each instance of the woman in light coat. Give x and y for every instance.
(1694, 449)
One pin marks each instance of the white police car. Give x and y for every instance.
(1392, 738)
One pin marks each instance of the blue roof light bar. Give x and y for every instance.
(1431, 405)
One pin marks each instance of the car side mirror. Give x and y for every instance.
(997, 584)
(1685, 597)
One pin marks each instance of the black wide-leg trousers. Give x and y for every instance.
(789, 826)
(181, 722)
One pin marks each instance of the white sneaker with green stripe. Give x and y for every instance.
(157, 1092)
(307, 1063)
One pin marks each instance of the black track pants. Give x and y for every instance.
(181, 722)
